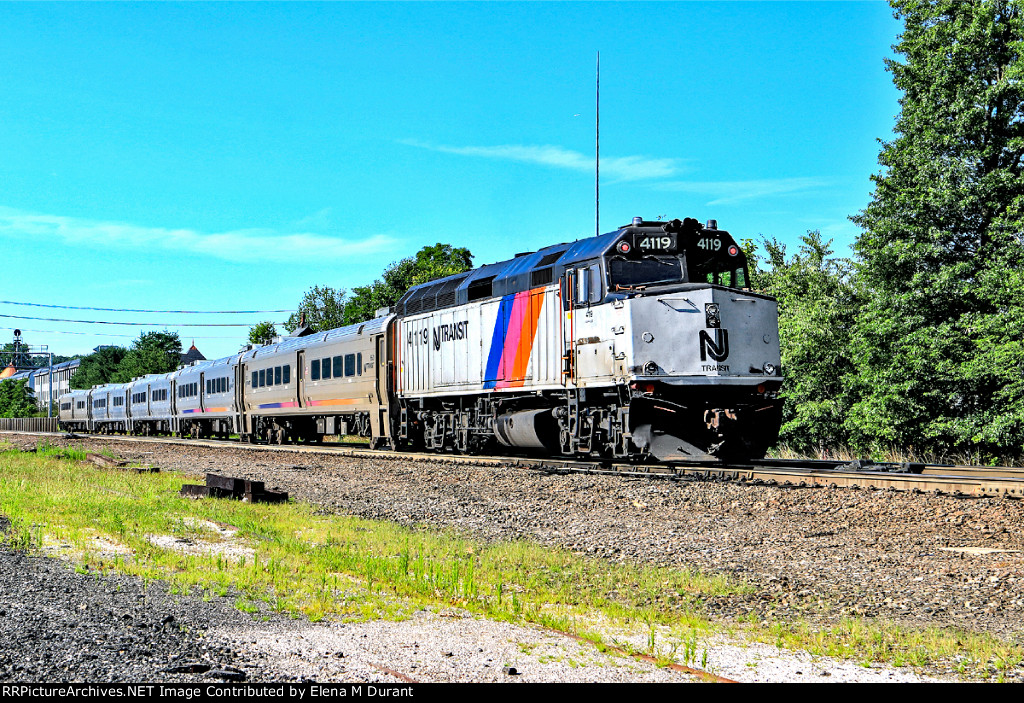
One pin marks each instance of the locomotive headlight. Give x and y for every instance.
(769, 369)
(650, 368)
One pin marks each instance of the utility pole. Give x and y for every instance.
(597, 152)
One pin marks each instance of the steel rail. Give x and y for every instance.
(920, 478)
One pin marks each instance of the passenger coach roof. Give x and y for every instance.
(374, 326)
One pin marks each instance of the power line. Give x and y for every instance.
(137, 324)
(185, 312)
(111, 334)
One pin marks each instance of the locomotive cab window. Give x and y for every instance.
(587, 284)
(724, 271)
(628, 273)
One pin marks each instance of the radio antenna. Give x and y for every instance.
(597, 152)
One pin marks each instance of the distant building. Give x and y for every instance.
(192, 356)
(61, 381)
(39, 381)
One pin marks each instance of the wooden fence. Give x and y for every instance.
(29, 424)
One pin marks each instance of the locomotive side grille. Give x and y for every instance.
(478, 290)
(540, 277)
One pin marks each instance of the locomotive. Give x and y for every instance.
(645, 342)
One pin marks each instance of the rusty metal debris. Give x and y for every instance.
(235, 488)
(106, 462)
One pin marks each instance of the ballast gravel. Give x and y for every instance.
(810, 554)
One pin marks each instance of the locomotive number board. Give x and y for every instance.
(661, 243)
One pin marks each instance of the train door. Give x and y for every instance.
(202, 391)
(300, 377)
(568, 295)
(172, 410)
(380, 426)
(241, 412)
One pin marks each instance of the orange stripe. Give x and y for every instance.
(337, 401)
(526, 336)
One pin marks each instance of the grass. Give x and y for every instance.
(971, 654)
(894, 455)
(288, 558)
(292, 559)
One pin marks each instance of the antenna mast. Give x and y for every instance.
(597, 152)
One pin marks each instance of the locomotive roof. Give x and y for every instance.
(532, 269)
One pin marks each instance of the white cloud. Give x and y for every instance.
(728, 192)
(257, 244)
(622, 168)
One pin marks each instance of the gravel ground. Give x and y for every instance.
(814, 554)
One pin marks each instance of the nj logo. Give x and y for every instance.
(717, 348)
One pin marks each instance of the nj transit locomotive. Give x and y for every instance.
(643, 342)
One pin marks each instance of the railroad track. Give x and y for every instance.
(976, 481)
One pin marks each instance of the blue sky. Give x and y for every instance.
(231, 156)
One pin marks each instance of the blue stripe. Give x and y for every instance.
(498, 341)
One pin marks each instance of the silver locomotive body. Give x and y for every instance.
(644, 341)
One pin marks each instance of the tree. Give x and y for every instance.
(817, 308)
(327, 308)
(152, 352)
(323, 308)
(98, 368)
(938, 356)
(262, 332)
(430, 263)
(15, 399)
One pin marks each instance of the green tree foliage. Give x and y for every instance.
(817, 309)
(152, 352)
(262, 333)
(323, 307)
(327, 308)
(937, 347)
(98, 368)
(430, 263)
(15, 399)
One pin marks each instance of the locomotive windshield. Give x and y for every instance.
(627, 273)
(725, 271)
(660, 253)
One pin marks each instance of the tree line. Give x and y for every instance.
(915, 342)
